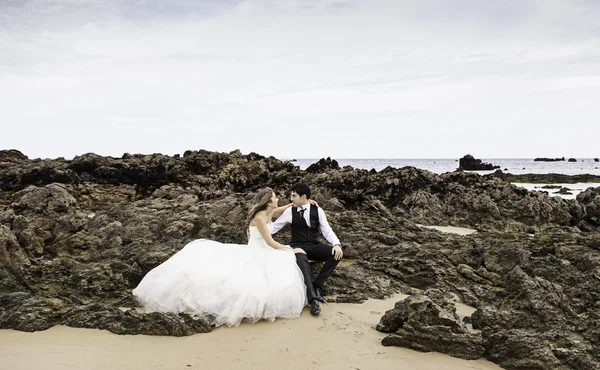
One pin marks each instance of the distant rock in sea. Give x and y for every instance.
(544, 159)
(596, 160)
(563, 191)
(469, 163)
(572, 160)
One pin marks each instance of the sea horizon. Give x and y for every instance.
(442, 165)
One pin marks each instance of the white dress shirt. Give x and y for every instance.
(286, 218)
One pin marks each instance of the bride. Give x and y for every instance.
(228, 283)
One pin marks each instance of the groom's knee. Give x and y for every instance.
(301, 257)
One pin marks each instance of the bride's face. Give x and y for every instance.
(274, 201)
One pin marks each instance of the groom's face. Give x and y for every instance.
(297, 200)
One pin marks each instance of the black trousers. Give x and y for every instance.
(315, 252)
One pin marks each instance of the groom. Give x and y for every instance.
(306, 220)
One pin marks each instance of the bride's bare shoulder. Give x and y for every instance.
(259, 218)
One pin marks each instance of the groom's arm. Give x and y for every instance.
(326, 229)
(284, 219)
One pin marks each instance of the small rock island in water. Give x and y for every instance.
(549, 159)
(469, 163)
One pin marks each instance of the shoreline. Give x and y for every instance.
(574, 188)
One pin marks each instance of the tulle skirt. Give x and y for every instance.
(225, 283)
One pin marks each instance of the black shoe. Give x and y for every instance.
(315, 309)
(319, 295)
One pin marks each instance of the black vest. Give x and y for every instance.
(301, 233)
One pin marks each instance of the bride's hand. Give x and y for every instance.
(299, 251)
(311, 201)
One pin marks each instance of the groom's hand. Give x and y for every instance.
(337, 252)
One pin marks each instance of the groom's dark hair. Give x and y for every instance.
(301, 189)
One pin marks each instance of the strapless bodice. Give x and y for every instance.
(256, 239)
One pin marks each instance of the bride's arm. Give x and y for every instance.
(279, 210)
(261, 223)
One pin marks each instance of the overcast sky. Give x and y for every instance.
(301, 79)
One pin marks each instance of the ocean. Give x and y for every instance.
(440, 165)
(512, 165)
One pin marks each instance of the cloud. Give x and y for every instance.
(353, 78)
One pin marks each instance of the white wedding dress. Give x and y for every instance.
(226, 283)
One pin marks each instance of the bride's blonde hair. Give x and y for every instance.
(261, 202)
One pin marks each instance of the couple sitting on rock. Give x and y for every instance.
(263, 280)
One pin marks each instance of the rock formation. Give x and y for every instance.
(469, 163)
(544, 159)
(76, 236)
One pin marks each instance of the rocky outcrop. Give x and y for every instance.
(323, 164)
(469, 163)
(12, 155)
(533, 326)
(428, 322)
(590, 201)
(25, 312)
(145, 172)
(572, 160)
(77, 236)
(529, 323)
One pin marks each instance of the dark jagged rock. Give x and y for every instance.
(145, 172)
(12, 155)
(544, 159)
(533, 326)
(20, 174)
(590, 201)
(428, 322)
(77, 236)
(100, 316)
(323, 165)
(545, 330)
(552, 187)
(25, 312)
(469, 163)
(564, 191)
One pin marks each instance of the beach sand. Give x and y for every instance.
(342, 337)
